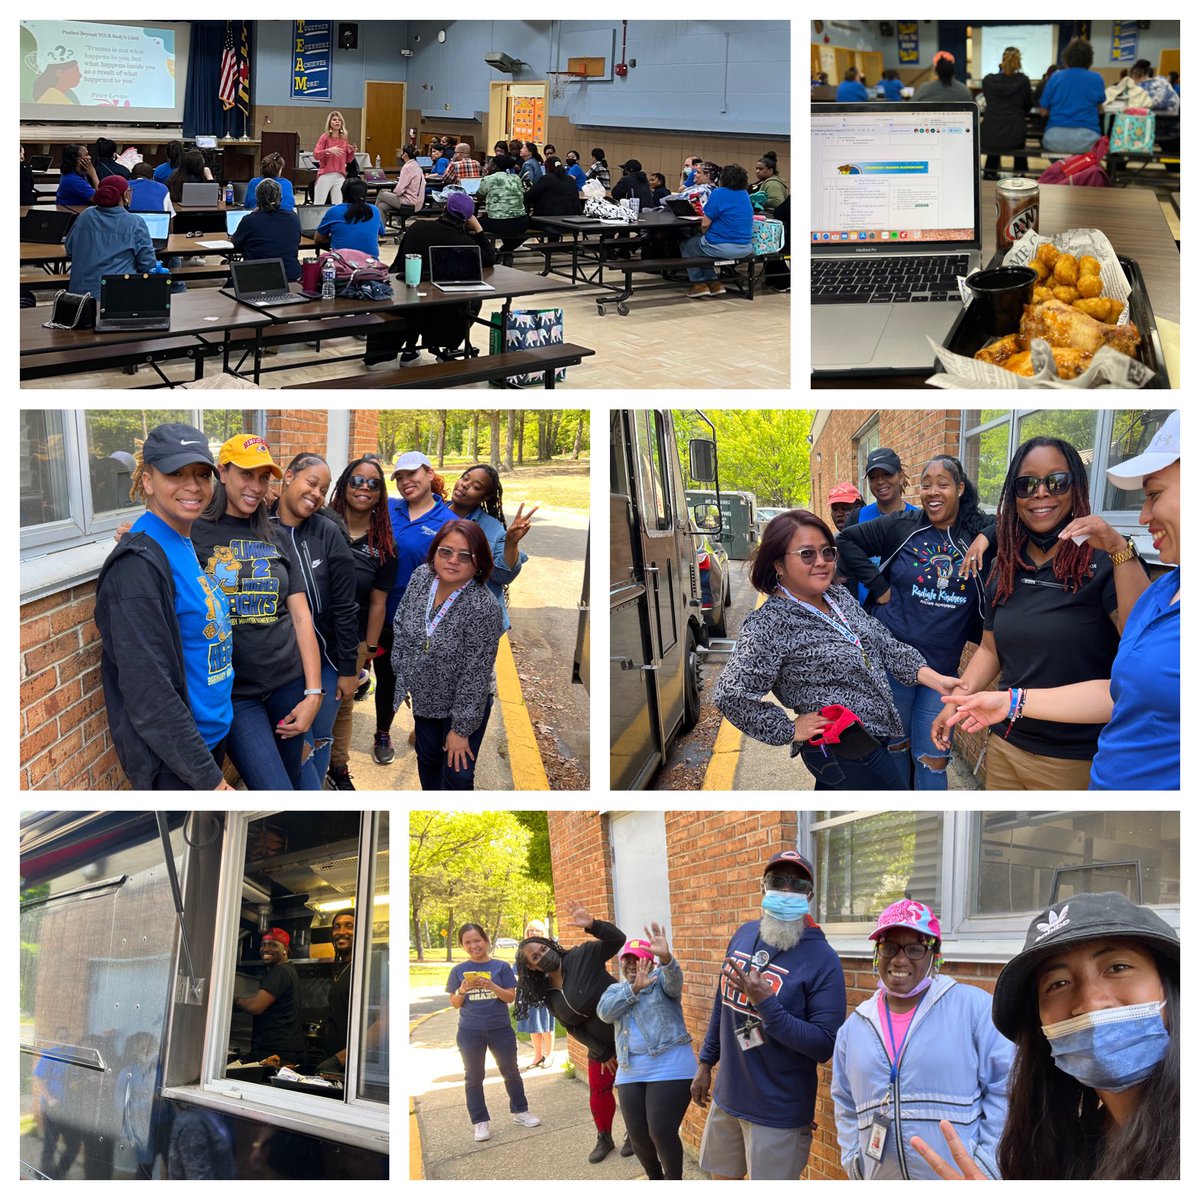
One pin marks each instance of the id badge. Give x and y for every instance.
(749, 1034)
(878, 1138)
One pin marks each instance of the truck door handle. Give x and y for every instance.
(627, 664)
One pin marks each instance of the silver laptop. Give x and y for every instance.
(158, 225)
(457, 269)
(895, 219)
(262, 282)
(201, 195)
(470, 186)
(234, 217)
(311, 215)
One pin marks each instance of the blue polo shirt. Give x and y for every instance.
(204, 628)
(1139, 747)
(147, 195)
(74, 189)
(851, 90)
(412, 543)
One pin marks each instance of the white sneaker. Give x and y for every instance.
(483, 1131)
(527, 1119)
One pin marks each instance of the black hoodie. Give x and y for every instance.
(141, 665)
(634, 185)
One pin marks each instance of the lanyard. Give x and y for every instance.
(432, 622)
(887, 1012)
(841, 624)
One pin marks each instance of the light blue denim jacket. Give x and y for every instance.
(501, 572)
(659, 1012)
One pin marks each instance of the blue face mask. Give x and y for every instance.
(1112, 1049)
(787, 906)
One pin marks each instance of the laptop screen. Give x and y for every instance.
(260, 275)
(895, 174)
(158, 224)
(234, 217)
(134, 295)
(455, 264)
(311, 215)
(424, 162)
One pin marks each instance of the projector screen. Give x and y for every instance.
(1038, 45)
(103, 71)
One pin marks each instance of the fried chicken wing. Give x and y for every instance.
(1069, 363)
(1065, 326)
(999, 352)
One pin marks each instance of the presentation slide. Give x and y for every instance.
(1038, 45)
(71, 70)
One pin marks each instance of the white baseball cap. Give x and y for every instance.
(1162, 452)
(410, 462)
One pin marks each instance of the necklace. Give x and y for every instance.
(338, 974)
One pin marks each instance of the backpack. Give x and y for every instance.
(767, 236)
(354, 268)
(1080, 170)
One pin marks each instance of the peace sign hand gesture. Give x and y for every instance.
(656, 935)
(968, 1169)
(518, 527)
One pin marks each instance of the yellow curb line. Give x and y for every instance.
(726, 751)
(528, 770)
(418, 1021)
(416, 1160)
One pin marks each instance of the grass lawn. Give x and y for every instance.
(559, 483)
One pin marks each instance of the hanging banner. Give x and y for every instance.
(312, 58)
(909, 43)
(1123, 46)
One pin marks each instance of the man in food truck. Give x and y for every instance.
(275, 1007)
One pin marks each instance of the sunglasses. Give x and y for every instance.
(446, 554)
(370, 482)
(787, 883)
(807, 555)
(915, 951)
(1057, 482)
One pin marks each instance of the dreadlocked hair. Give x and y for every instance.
(379, 532)
(494, 504)
(532, 985)
(137, 492)
(1071, 562)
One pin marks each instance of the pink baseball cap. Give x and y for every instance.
(908, 914)
(637, 947)
(844, 493)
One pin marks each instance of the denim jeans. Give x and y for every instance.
(701, 245)
(320, 733)
(432, 766)
(473, 1045)
(1062, 139)
(918, 707)
(878, 772)
(265, 761)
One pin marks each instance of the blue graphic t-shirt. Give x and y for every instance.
(203, 615)
(481, 1009)
(868, 513)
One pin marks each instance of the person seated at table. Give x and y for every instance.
(146, 194)
(270, 231)
(174, 157)
(439, 164)
(503, 197)
(549, 150)
(599, 169)
(409, 193)
(727, 226)
(105, 159)
(554, 194)
(353, 225)
(462, 166)
(442, 327)
(575, 171)
(1163, 97)
(1071, 102)
(107, 240)
(77, 181)
(851, 88)
(1009, 97)
(687, 176)
(28, 190)
(707, 175)
(633, 185)
(499, 149)
(945, 86)
(658, 186)
(532, 166)
(191, 169)
(890, 87)
(271, 167)
(514, 152)
(768, 181)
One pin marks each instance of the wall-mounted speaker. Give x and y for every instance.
(348, 37)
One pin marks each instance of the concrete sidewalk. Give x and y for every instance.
(557, 1149)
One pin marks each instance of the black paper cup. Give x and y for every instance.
(1003, 292)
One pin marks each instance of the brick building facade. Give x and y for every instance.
(64, 734)
(714, 864)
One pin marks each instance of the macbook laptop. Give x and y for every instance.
(424, 162)
(47, 226)
(41, 162)
(201, 195)
(134, 302)
(374, 175)
(234, 217)
(311, 215)
(457, 269)
(470, 186)
(263, 283)
(158, 225)
(895, 219)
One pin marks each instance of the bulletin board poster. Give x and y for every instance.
(312, 59)
(529, 119)
(908, 43)
(1124, 42)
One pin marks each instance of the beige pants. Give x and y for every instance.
(1012, 769)
(343, 723)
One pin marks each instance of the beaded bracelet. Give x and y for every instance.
(1017, 698)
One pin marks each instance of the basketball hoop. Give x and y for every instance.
(559, 86)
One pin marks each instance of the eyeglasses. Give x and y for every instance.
(784, 882)
(807, 555)
(915, 951)
(1057, 482)
(366, 481)
(448, 555)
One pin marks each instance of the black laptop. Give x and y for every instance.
(158, 225)
(134, 302)
(684, 209)
(46, 226)
(262, 282)
(41, 162)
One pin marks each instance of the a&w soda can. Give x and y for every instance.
(1016, 210)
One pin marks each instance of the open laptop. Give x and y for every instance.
(158, 225)
(457, 269)
(311, 215)
(46, 226)
(424, 162)
(134, 302)
(262, 282)
(374, 175)
(308, 160)
(895, 219)
(470, 186)
(234, 217)
(41, 162)
(201, 195)
(685, 210)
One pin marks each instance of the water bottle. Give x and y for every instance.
(378, 161)
(229, 195)
(328, 291)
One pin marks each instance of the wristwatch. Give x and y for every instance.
(1123, 556)
(371, 648)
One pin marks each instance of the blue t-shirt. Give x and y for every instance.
(163, 172)
(868, 513)
(481, 1009)
(732, 217)
(891, 89)
(1139, 747)
(851, 89)
(361, 235)
(412, 543)
(147, 195)
(74, 189)
(204, 627)
(439, 167)
(676, 1062)
(578, 174)
(285, 186)
(1071, 96)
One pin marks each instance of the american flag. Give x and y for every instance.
(227, 91)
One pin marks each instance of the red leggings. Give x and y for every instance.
(601, 1100)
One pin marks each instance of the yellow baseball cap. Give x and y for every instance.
(248, 451)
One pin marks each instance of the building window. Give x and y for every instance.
(867, 441)
(652, 462)
(641, 890)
